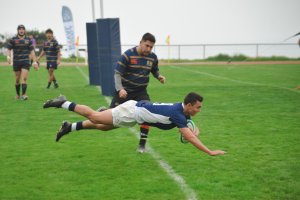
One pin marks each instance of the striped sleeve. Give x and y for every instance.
(10, 44)
(122, 64)
(30, 46)
(155, 69)
(44, 46)
(57, 47)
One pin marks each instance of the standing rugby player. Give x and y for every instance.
(132, 78)
(132, 74)
(22, 49)
(52, 50)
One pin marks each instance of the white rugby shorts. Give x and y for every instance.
(124, 114)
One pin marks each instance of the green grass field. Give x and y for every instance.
(251, 111)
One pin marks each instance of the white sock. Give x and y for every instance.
(73, 126)
(66, 105)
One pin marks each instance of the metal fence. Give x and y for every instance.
(203, 51)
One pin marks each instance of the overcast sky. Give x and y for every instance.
(187, 22)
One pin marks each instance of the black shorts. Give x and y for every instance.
(136, 96)
(19, 67)
(51, 65)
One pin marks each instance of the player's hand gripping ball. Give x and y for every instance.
(193, 128)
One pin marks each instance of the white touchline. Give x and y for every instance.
(232, 80)
(186, 189)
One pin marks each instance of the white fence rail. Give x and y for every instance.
(203, 51)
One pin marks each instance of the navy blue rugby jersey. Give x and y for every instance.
(161, 115)
(51, 48)
(21, 50)
(135, 69)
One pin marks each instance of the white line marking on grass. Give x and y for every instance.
(188, 191)
(233, 80)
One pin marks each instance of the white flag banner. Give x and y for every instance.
(69, 30)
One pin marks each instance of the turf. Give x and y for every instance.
(252, 112)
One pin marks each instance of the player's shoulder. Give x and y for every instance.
(178, 108)
(178, 104)
(130, 52)
(153, 56)
(14, 37)
(174, 110)
(27, 40)
(54, 41)
(178, 114)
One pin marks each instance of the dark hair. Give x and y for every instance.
(21, 26)
(149, 37)
(49, 31)
(192, 98)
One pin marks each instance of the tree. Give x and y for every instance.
(2, 40)
(39, 36)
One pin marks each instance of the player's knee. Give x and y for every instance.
(94, 117)
(145, 126)
(144, 129)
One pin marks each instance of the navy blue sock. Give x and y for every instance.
(18, 89)
(72, 106)
(24, 88)
(79, 126)
(143, 135)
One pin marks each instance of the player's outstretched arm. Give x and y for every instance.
(187, 133)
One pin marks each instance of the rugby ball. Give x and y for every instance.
(191, 126)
